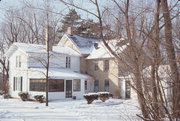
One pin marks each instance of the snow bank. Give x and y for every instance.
(68, 110)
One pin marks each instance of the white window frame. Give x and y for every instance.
(96, 85)
(106, 65)
(85, 84)
(18, 61)
(76, 85)
(106, 85)
(18, 83)
(68, 62)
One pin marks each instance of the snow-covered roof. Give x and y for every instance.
(57, 73)
(102, 52)
(84, 45)
(65, 50)
(36, 48)
(31, 48)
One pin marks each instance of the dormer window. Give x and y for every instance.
(96, 45)
(18, 61)
(68, 62)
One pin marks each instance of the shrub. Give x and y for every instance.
(6, 96)
(91, 97)
(104, 96)
(23, 96)
(5, 87)
(39, 98)
(2, 92)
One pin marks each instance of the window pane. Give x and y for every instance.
(106, 65)
(68, 62)
(37, 85)
(96, 67)
(85, 84)
(56, 85)
(76, 85)
(96, 85)
(17, 84)
(106, 85)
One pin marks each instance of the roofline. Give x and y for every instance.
(100, 58)
(73, 43)
(17, 48)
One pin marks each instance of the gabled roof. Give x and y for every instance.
(83, 45)
(41, 49)
(65, 50)
(102, 52)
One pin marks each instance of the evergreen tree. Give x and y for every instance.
(72, 19)
(80, 27)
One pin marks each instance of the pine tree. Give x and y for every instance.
(82, 28)
(72, 19)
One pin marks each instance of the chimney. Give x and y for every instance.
(69, 30)
(49, 38)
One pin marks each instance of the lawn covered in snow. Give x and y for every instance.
(68, 110)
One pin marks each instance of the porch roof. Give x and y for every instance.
(56, 73)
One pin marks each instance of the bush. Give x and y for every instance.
(104, 96)
(39, 98)
(23, 96)
(91, 97)
(6, 96)
(2, 92)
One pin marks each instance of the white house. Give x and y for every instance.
(27, 71)
(78, 65)
(164, 74)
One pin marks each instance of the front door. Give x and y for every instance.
(128, 90)
(68, 88)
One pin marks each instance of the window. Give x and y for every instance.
(106, 65)
(85, 85)
(96, 85)
(18, 61)
(68, 62)
(96, 67)
(56, 85)
(106, 85)
(128, 89)
(17, 84)
(76, 85)
(37, 85)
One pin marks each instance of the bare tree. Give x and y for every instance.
(144, 36)
(171, 58)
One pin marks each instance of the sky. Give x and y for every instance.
(6, 4)
(11, 4)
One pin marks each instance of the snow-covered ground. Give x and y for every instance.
(68, 110)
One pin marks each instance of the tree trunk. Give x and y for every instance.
(141, 99)
(171, 59)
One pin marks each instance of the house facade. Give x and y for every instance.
(27, 72)
(97, 62)
(78, 65)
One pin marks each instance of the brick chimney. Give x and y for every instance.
(49, 37)
(70, 30)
